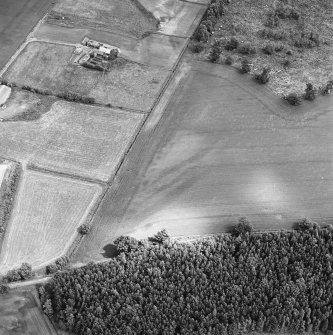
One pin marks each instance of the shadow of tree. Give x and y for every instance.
(110, 251)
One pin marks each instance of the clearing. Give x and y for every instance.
(46, 215)
(121, 16)
(225, 147)
(178, 18)
(246, 20)
(47, 66)
(20, 314)
(72, 138)
(17, 19)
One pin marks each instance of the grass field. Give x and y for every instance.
(122, 16)
(128, 84)
(225, 148)
(20, 314)
(46, 215)
(72, 138)
(245, 19)
(17, 19)
(155, 49)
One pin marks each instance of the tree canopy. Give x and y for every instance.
(227, 284)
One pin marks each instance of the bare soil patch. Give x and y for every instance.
(122, 16)
(48, 211)
(48, 66)
(4, 94)
(246, 19)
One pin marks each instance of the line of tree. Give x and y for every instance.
(224, 285)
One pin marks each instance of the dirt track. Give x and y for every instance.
(17, 18)
(225, 147)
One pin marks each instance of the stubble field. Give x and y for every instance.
(72, 138)
(128, 84)
(46, 215)
(226, 148)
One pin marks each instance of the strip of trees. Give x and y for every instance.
(240, 282)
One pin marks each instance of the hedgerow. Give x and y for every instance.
(225, 285)
(7, 195)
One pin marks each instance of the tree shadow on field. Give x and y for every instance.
(110, 251)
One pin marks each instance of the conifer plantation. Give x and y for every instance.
(227, 284)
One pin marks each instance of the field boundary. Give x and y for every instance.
(48, 171)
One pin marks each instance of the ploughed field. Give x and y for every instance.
(17, 18)
(225, 148)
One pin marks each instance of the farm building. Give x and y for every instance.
(106, 50)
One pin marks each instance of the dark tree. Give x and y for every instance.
(215, 51)
(246, 66)
(293, 99)
(244, 226)
(84, 229)
(310, 93)
(263, 77)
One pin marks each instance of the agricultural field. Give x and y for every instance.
(47, 213)
(226, 147)
(127, 85)
(176, 17)
(17, 19)
(155, 49)
(20, 314)
(126, 17)
(72, 138)
(293, 37)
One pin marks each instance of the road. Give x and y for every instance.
(17, 18)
